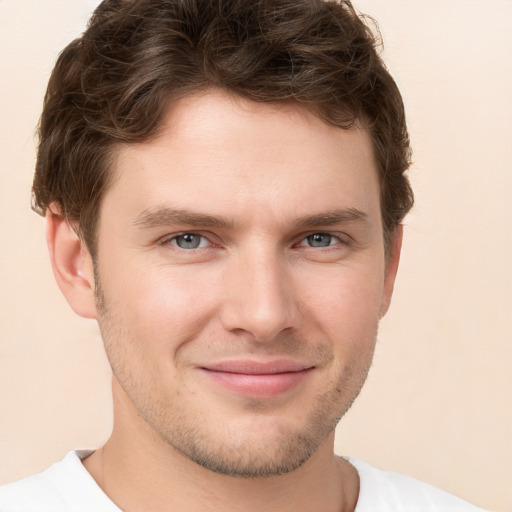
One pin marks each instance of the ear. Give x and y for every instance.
(71, 263)
(392, 261)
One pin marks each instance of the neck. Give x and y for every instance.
(139, 471)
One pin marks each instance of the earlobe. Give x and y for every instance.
(391, 269)
(71, 263)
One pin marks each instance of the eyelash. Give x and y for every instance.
(172, 240)
(340, 238)
(331, 236)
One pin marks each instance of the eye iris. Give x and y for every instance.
(319, 240)
(188, 241)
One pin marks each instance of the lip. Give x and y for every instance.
(258, 379)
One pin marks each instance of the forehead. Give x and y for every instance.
(219, 151)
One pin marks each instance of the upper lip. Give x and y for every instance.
(250, 367)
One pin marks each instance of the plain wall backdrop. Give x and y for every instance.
(437, 404)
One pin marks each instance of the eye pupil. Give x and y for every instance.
(188, 241)
(319, 240)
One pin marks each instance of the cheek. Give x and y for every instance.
(160, 305)
(346, 305)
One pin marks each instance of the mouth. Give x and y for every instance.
(258, 379)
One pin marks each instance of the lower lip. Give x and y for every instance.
(258, 386)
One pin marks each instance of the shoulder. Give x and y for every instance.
(64, 486)
(383, 491)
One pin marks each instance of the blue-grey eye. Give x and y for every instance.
(189, 241)
(319, 240)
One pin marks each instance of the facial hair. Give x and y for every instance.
(253, 449)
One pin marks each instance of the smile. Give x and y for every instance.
(257, 379)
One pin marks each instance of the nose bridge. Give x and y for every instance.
(260, 297)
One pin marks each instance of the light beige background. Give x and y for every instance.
(438, 401)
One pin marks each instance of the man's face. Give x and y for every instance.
(241, 278)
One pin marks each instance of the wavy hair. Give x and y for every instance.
(114, 83)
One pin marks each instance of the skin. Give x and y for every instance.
(244, 232)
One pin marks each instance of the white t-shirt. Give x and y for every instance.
(68, 487)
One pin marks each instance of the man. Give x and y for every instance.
(223, 183)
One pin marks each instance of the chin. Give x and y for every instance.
(259, 446)
(261, 456)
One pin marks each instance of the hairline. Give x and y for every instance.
(112, 173)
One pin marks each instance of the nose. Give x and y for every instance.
(260, 299)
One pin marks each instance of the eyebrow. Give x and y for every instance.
(331, 218)
(166, 216)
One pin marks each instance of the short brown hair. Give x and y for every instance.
(112, 86)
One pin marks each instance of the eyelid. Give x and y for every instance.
(167, 239)
(343, 238)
